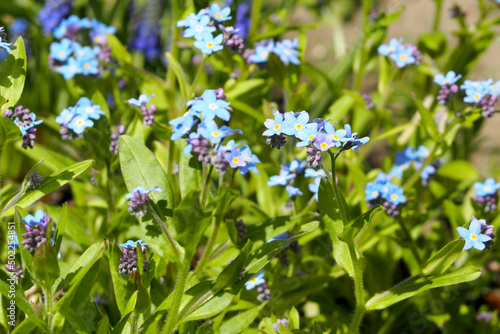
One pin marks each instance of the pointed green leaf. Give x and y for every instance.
(12, 76)
(9, 132)
(418, 284)
(45, 264)
(49, 184)
(443, 259)
(241, 321)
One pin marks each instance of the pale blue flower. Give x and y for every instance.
(473, 236)
(447, 80)
(143, 100)
(256, 280)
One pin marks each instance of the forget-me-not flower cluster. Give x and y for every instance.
(486, 194)
(286, 50)
(401, 54)
(69, 58)
(205, 137)
(74, 120)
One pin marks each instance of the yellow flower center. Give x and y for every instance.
(86, 65)
(446, 81)
(477, 96)
(394, 196)
(218, 15)
(335, 137)
(298, 126)
(80, 122)
(494, 88)
(487, 188)
(375, 194)
(473, 237)
(236, 160)
(254, 279)
(97, 38)
(215, 134)
(277, 127)
(72, 68)
(324, 145)
(311, 137)
(264, 54)
(210, 45)
(69, 116)
(212, 106)
(390, 49)
(62, 53)
(403, 56)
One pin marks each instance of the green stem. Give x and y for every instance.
(14, 200)
(205, 185)
(48, 303)
(164, 229)
(178, 294)
(437, 15)
(413, 246)
(210, 244)
(197, 76)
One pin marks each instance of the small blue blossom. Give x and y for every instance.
(219, 14)
(255, 281)
(70, 69)
(183, 129)
(351, 138)
(373, 190)
(208, 44)
(403, 56)
(323, 142)
(274, 126)
(473, 236)
(427, 172)
(262, 52)
(489, 187)
(130, 244)
(287, 51)
(315, 173)
(35, 220)
(88, 66)
(99, 31)
(386, 50)
(210, 131)
(314, 186)
(295, 166)
(209, 107)
(494, 89)
(61, 51)
(337, 135)
(230, 145)
(198, 27)
(395, 195)
(236, 158)
(250, 159)
(294, 126)
(142, 190)
(447, 80)
(281, 179)
(24, 129)
(142, 100)
(307, 136)
(52, 13)
(474, 95)
(85, 107)
(293, 191)
(66, 116)
(79, 123)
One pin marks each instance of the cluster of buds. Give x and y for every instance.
(416, 53)
(25, 121)
(486, 230)
(445, 94)
(369, 103)
(488, 106)
(315, 157)
(115, 138)
(35, 180)
(17, 272)
(242, 229)
(148, 114)
(128, 263)
(392, 210)
(36, 230)
(264, 293)
(138, 200)
(276, 141)
(489, 202)
(276, 325)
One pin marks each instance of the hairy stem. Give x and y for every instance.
(163, 228)
(210, 245)
(178, 294)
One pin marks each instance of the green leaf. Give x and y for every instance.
(230, 274)
(241, 321)
(458, 170)
(9, 132)
(27, 326)
(427, 119)
(141, 168)
(433, 43)
(384, 76)
(45, 264)
(453, 213)
(99, 99)
(443, 259)
(340, 107)
(75, 320)
(180, 75)
(61, 227)
(189, 173)
(83, 272)
(213, 306)
(418, 284)
(245, 88)
(294, 319)
(103, 325)
(118, 50)
(191, 221)
(49, 184)
(329, 208)
(12, 76)
(352, 230)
